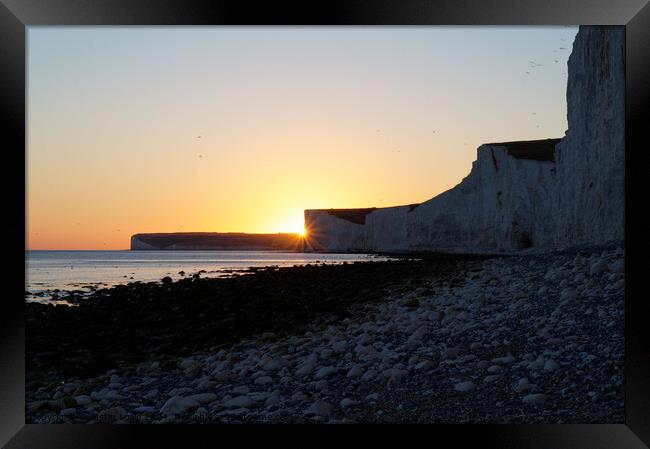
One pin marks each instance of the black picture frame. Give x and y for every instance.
(16, 15)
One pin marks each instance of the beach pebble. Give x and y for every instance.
(494, 369)
(618, 285)
(204, 384)
(419, 334)
(551, 365)
(239, 402)
(151, 394)
(355, 372)
(178, 405)
(506, 360)
(105, 394)
(179, 391)
(299, 396)
(263, 380)
(491, 378)
(82, 399)
(111, 414)
(450, 353)
(324, 372)
(68, 412)
(598, 267)
(538, 398)
(242, 389)
(536, 365)
(464, 386)
(347, 402)
(425, 365)
(203, 398)
(115, 379)
(272, 364)
(188, 363)
(618, 266)
(395, 373)
(272, 400)
(319, 408)
(305, 369)
(144, 409)
(523, 385)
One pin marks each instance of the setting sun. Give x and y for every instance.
(294, 224)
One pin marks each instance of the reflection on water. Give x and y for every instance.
(50, 273)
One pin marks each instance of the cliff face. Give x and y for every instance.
(540, 194)
(589, 199)
(498, 206)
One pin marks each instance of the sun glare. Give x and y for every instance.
(295, 226)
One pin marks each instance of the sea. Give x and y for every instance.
(49, 275)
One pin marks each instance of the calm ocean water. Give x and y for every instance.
(77, 270)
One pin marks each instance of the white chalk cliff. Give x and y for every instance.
(536, 195)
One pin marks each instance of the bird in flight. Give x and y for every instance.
(198, 137)
(200, 155)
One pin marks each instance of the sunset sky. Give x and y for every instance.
(289, 118)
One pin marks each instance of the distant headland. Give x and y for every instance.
(217, 241)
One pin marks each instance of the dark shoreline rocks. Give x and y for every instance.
(127, 324)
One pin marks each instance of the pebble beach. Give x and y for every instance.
(519, 339)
